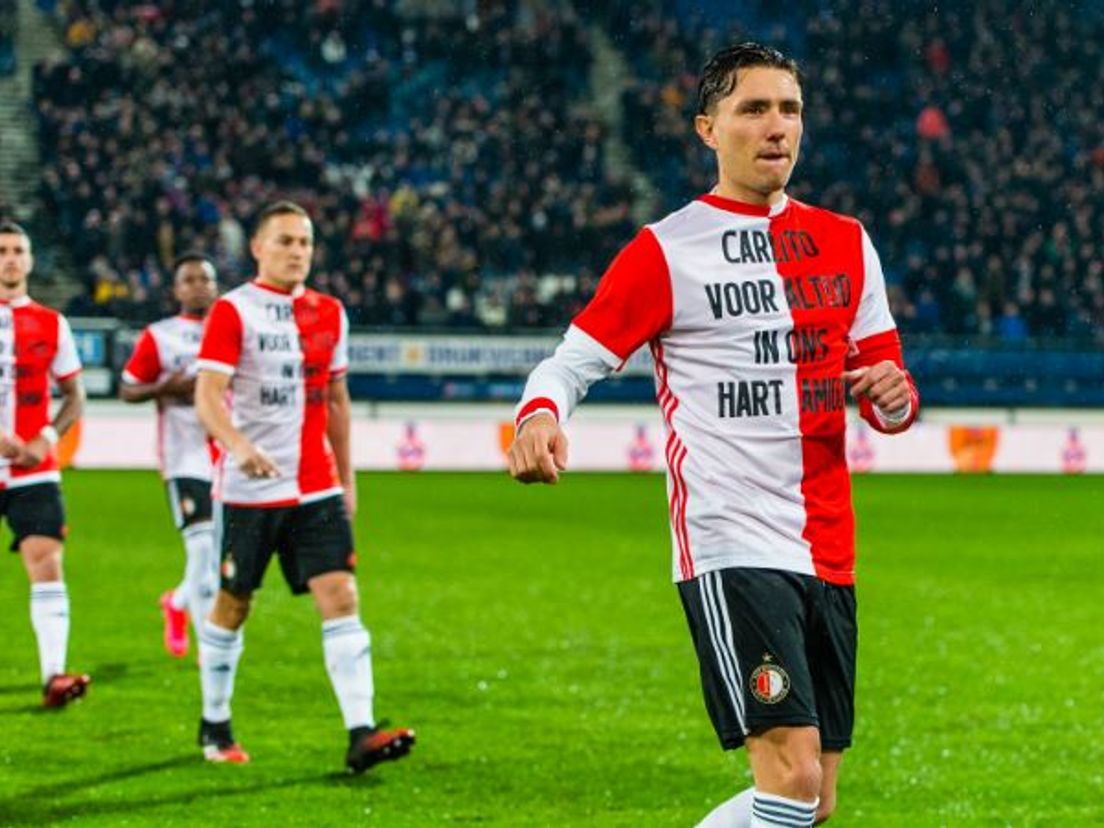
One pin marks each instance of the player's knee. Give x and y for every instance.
(229, 610)
(335, 594)
(340, 603)
(786, 760)
(802, 778)
(42, 558)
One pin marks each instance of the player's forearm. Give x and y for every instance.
(138, 392)
(565, 377)
(72, 405)
(338, 430)
(212, 411)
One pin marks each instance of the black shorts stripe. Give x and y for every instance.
(723, 650)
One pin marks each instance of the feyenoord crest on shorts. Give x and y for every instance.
(769, 683)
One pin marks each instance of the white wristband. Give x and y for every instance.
(49, 434)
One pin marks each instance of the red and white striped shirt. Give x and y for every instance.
(164, 348)
(752, 315)
(282, 350)
(36, 346)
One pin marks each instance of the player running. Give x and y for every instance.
(759, 311)
(36, 346)
(162, 368)
(285, 481)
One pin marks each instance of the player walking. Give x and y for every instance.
(759, 312)
(285, 481)
(162, 368)
(36, 346)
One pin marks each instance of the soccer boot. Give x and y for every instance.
(64, 688)
(176, 626)
(369, 746)
(218, 743)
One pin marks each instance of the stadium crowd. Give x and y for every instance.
(973, 153)
(446, 181)
(458, 179)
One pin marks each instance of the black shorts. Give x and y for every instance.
(33, 510)
(311, 539)
(775, 648)
(189, 500)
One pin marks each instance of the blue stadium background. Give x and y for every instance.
(473, 166)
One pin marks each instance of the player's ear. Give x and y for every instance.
(703, 125)
(255, 246)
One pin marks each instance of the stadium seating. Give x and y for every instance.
(456, 165)
(449, 176)
(969, 149)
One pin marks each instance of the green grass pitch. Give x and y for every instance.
(533, 639)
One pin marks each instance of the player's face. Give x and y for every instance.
(283, 249)
(195, 287)
(15, 262)
(756, 133)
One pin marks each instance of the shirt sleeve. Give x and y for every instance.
(66, 362)
(221, 346)
(144, 365)
(339, 364)
(874, 339)
(631, 306)
(633, 302)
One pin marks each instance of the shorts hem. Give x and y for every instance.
(18, 541)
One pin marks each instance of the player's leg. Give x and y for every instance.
(747, 627)
(245, 541)
(788, 778)
(833, 640)
(316, 555)
(37, 518)
(174, 602)
(191, 499)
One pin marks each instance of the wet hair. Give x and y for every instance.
(718, 77)
(278, 208)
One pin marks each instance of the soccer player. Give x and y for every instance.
(285, 482)
(36, 346)
(162, 367)
(759, 311)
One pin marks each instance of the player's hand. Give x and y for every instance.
(539, 450)
(179, 386)
(884, 383)
(254, 462)
(11, 445)
(33, 452)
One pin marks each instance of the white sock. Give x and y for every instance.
(219, 652)
(769, 810)
(348, 651)
(50, 619)
(733, 813)
(201, 575)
